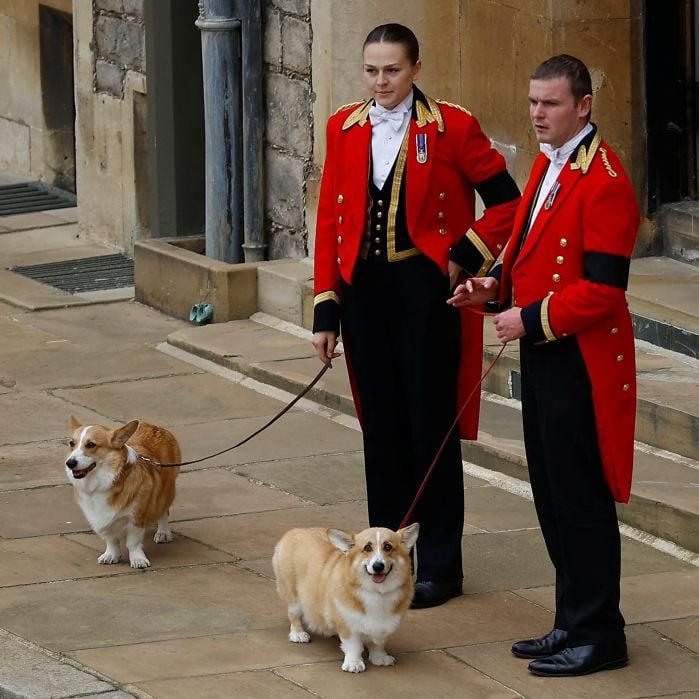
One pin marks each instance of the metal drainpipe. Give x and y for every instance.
(253, 130)
(220, 46)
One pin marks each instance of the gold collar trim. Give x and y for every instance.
(584, 158)
(358, 116)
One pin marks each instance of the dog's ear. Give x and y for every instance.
(121, 435)
(408, 535)
(74, 424)
(341, 540)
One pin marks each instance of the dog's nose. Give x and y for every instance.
(378, 566)
(72, 463)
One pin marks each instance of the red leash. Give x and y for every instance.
(420, 490)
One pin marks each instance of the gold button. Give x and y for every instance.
(339, 219)
(377, 240)
(379, 214)
(339, 261)
(564, 242)
(442, 195)
(614, 331)
(625, 387)
(499, 246)
(380, 202)
(442, 231)
(620, 357)
(340, 198)
(377, 252)
(560, 259)
(440, 214)
(564, 335)
(339, 239)
(378, 227)
(556, 277)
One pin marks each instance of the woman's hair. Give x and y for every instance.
(569, 67)
(395, 34)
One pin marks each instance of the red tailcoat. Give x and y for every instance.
(570, 278)
(440, 212)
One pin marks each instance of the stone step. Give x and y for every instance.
(664, 501)
(679, 224)
(663, 297)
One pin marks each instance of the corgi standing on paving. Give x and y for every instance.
(119, 493)
(357, 586)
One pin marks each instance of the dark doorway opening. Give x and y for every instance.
(58, 98)
(671, 98)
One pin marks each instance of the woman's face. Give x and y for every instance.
(388, 73)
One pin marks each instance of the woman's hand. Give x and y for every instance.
(324, 343)
(474, 292)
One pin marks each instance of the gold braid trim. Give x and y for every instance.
(358, 116)
(584, 158)
(605, 160)
(482, 248)
(326, 296)
(545, 325)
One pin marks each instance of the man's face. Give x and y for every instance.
(555, 116)
(388, 73)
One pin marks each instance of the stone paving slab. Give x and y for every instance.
(645, 598)
(27, 673)
(141, 606)
(683, 631)
(432, 673)
(656, 668)
(242, 685)
(51, 558)
(37, 219)
(254, 535)
(295, 435)
(31, 465)
(66, 364)
(208, 655)
(173, 400)
(32, 417)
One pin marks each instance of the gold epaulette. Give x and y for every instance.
(456, 106)
(347, 106)
(359, 115)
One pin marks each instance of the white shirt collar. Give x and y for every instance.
(559, 156)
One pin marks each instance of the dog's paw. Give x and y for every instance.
(299, 637)
(382, 658)
(107, 558)
(162, 537)
(353, 665)
(140, 562)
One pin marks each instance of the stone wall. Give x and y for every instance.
(288, 125)
(119, 43)
(30, 145)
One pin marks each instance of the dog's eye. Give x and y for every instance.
(387, 547)
(367, 548)
(90, 445)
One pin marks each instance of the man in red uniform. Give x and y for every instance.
(564, 275)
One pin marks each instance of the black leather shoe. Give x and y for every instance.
(550, 644)
(430, 593)
(582, 660)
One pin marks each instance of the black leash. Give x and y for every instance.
(318, 376)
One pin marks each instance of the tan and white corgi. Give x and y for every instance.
(119, 493)
(357, 586)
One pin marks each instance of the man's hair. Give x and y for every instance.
(570, 67)
(395, 34)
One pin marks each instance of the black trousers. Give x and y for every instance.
(403, 344)
(574, 505)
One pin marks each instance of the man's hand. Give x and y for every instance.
(454, 269)
(474, 292)
(324, 343)
(509, 326)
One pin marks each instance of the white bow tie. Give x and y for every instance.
(379, 115)
(555, 155)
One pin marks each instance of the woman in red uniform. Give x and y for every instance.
(396, 227)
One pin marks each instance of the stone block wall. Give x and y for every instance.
(119, 43)
(288, 125)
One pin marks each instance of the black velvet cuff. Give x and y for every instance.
(466, 254)
(326, 317)
(531, 318)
